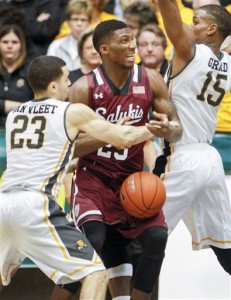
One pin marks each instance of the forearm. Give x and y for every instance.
(86, 144)
(150, 154)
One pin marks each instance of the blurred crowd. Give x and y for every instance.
(64, 28)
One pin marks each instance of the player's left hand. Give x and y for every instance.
(160, 126)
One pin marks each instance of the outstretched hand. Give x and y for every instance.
(160, 126)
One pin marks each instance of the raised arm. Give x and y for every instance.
(179, 33)
(166, 119)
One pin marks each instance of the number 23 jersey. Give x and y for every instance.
(38, 148)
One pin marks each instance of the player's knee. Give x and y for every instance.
(95, 277)
(121, 270)
(154, 239)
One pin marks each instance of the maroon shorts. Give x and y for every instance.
(92, 200)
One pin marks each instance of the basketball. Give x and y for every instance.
(142, 194)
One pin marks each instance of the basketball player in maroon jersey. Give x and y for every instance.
(115, 90)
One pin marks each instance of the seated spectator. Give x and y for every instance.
(43, 20)
(151, 45)
(138, 14)
(89, 57)
(78, 18)
(14, 87)
(98, 15)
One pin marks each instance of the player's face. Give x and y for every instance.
(150, 49)
(63, 85)
(122, 47)
(200, 26)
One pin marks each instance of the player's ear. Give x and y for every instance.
(52, 87)
(103, 49)
(212, 28)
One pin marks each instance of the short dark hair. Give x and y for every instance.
(220, 16)
(43, 70)
(104, 29)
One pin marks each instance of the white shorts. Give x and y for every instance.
(31, 225)
(197, 193)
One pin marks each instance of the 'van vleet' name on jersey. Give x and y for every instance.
(217, 65)
(37, 109)
(136, 114)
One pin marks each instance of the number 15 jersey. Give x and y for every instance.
(197, 93)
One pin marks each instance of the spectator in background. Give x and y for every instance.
(89, 57)
(151, 45)
(43, 20)
(14, 87)
(138, 14)
(98, 15)
(78, 18)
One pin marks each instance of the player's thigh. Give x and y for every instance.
(58, 248)
(11, 218)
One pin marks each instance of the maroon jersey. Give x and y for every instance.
(108, 163)
(100, 174)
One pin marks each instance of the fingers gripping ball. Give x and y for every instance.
(142, 194)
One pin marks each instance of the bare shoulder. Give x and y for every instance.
(154, 75)
(79, 92)
(157, 83)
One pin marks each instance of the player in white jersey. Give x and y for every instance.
(39, 139)
(199, 76)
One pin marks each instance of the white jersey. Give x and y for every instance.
(33, 162)
(208, 78)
